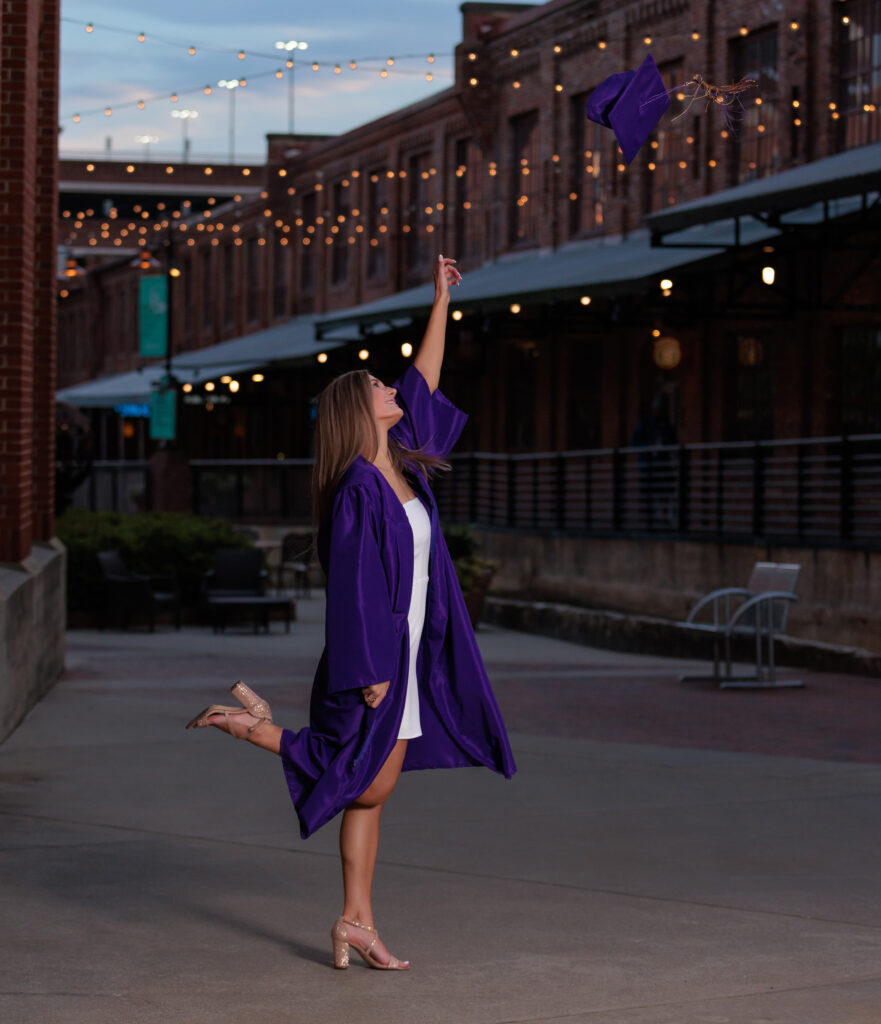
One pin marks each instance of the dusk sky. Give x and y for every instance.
(109, 68)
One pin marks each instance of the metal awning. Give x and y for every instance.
(562, 274)
(856, 172)
(287, 342)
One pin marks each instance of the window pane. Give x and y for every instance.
(523, 183)
(860, 376)
(859, 113)
(756, 149)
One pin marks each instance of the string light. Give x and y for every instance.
(241, 55)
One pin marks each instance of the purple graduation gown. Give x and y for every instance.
(366, 550)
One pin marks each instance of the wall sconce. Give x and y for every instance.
(768, 275)
(667, 352)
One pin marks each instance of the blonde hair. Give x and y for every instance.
(346, 428)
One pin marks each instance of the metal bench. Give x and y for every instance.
(758, 610)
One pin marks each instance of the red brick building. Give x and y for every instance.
(503, 165)
(31, 562)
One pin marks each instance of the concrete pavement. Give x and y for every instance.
(663, 855)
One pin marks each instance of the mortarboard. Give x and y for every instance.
(630, 103)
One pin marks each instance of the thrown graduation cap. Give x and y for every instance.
(630, 103)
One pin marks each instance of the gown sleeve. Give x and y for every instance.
(359, 628)
(431, 423)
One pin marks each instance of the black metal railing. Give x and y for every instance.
(256, 489)
(116, 486)
(809, 490)
(824, 491)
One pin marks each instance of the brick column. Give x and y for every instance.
(45, 289)
(19, 42)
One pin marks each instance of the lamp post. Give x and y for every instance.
(146, 141)
(231, 84)
(185, 116)
(289, 46)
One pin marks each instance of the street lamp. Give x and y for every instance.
(185, 116)
(232, 84)
(289, 46)
(146, 141)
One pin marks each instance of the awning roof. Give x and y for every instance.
(563, 273)
(855, 172)
(291, 341)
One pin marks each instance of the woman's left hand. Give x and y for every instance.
(374, 695)
(445, 275)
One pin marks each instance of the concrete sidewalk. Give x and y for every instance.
(155, 875)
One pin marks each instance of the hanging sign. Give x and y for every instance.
(153, 315)
(163, 410)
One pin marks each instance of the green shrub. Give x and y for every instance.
(463, 545)
(154, 543)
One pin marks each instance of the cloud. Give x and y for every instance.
(111, 68)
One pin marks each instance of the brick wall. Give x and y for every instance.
(28, 120)
(45, 346)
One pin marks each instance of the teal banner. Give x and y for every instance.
(153, 315)
(163, 413)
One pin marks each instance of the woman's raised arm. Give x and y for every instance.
(430, 356)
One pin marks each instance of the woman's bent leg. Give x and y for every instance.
(359, 842)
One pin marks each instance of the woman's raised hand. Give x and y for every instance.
(445, 275)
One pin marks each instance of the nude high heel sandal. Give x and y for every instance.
(258, 707)
(342, 939)
(254, 706)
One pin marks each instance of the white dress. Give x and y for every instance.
(420, 524)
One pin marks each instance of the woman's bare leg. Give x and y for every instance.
(359, 843)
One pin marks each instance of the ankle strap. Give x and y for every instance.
(357, 924)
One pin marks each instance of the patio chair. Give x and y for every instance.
(238, 583)
(237, 572)
(758, 610)
(126, 593)
(296, 560)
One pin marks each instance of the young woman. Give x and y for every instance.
(400, 684)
